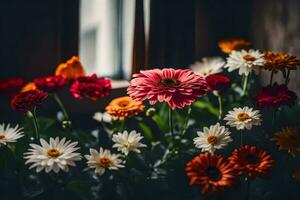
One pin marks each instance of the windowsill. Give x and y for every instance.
(85, 105)
(117, 84)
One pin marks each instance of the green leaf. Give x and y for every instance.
(77, 187)
(206, 105)
(146, 131)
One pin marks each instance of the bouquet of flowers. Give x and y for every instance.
(208, 132)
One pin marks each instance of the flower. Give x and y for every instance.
(242, 118)
(212, 138)
(72, 69)
(51, 83)
(296, 174)
(228, 45)
(28, 86)
(56, 155)
(208, 66)
(176, 87)
(245, 61)
(11, 86)
(102, 160)
(212, 172)
(288, 139)
(125, 142)
(150, 112)
(251, 160)
(26, 101)
(10, 134)
(218, 83)
(103, 117)
(123, 107)
(280, 61)
(91, 87)
(274, 96)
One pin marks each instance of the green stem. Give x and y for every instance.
(171, 122)
(61, 105)
(220, 106)
(241, 138)
(271, 78)
(274, 117)
(187, 120)
(123, 126)
(35, 123)
(247, 181)
(287, 79)
(245, 85)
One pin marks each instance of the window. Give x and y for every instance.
(106, 36)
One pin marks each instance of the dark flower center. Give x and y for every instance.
(213, 172)
(2, 137)
(212, 139)
(105, 162)
(248, 57)
(171, 82)
(252, 159)
(123, 104)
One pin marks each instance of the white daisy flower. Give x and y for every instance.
(242, 118)
(56, 155)
(102, 160)
(10, 134)
(128, 142)
(103, 117)
(245, 61)
(212, 138)
(208, 66)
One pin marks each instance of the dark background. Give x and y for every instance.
(36, 36)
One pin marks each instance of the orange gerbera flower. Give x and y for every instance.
(71, 69)
(228, 45)
(28, 86)
(296, 174)
(280, 61)
(251, 160)
(288, 139)
(212, 172)
(123, 107)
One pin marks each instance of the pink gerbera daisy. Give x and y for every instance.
(176, 87)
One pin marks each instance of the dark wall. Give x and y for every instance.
(36, 35)
(184, 31)
(216, 20)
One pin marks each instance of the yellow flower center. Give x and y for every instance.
(126, 144)
(248, 57)
(105, 162)
(2, 137)
(212, 139)
(54, 153)
(171, 82)
(243, 116)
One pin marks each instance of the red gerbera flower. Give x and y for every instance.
(26, 101)
(176, 87)
(11, 86)
(51, 83)
(91, 87)
(212, 172)
(275, 96)
(218, 82)
(251, 160)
